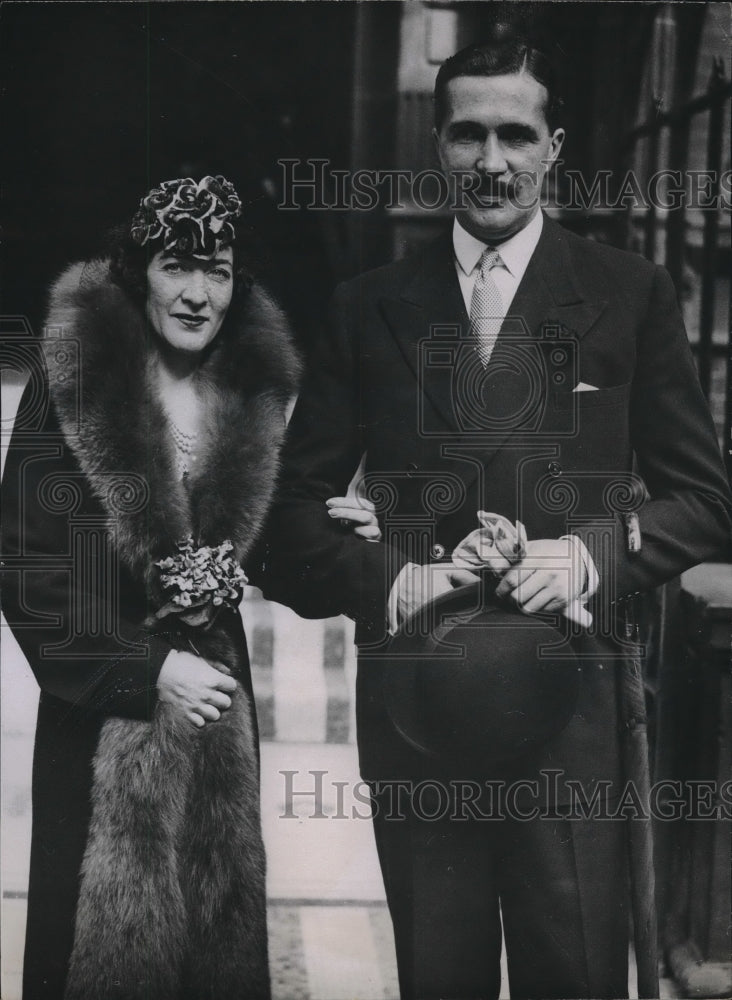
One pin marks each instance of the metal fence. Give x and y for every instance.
(678, 121)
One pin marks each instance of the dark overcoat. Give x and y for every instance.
(147, 863)
(395, 379)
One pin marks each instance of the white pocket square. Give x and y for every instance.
(584, 387)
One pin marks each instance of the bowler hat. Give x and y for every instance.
(469, 678)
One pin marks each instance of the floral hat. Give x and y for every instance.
(192, 218)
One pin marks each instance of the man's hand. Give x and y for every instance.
(425, 583)
(550, 577)
(194, 687)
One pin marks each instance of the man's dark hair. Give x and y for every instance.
(496, 58)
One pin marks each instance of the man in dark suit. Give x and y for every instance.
(514, 368)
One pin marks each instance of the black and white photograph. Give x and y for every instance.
(366, 554)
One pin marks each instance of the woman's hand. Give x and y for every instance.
(194, 687)
(358, 512)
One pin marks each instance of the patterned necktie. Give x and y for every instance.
(486, 306)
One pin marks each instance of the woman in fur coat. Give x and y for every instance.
(141, 467)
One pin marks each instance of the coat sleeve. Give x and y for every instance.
(81, 645)
(315, 566)
(686, 517)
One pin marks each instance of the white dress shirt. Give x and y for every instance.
(515, 253)
(515, 256)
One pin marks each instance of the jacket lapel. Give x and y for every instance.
(429, 322)
(430, 315)
(549, 289)
(548, 296)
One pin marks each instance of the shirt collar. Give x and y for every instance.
(515, 252)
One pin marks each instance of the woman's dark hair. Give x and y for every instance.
(128, 261)
(512, 54)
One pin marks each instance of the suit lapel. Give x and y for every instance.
(429, 316)
(549, 289)
(548, 296)
(430, 312)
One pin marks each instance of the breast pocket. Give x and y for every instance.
(591, 399)
(597, 429)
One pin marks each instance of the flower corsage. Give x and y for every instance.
(199, 581)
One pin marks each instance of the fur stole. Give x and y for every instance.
(172, 894)
(115, 425)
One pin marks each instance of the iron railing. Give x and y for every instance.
(678, 121)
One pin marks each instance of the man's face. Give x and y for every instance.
(495, 138)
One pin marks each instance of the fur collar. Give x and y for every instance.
(121, 439)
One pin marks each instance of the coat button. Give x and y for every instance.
(438, 551)
(554, 469)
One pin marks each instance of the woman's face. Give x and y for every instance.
(188, 297)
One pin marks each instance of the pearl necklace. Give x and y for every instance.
(184, 446)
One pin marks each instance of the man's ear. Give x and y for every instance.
(555, 144)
